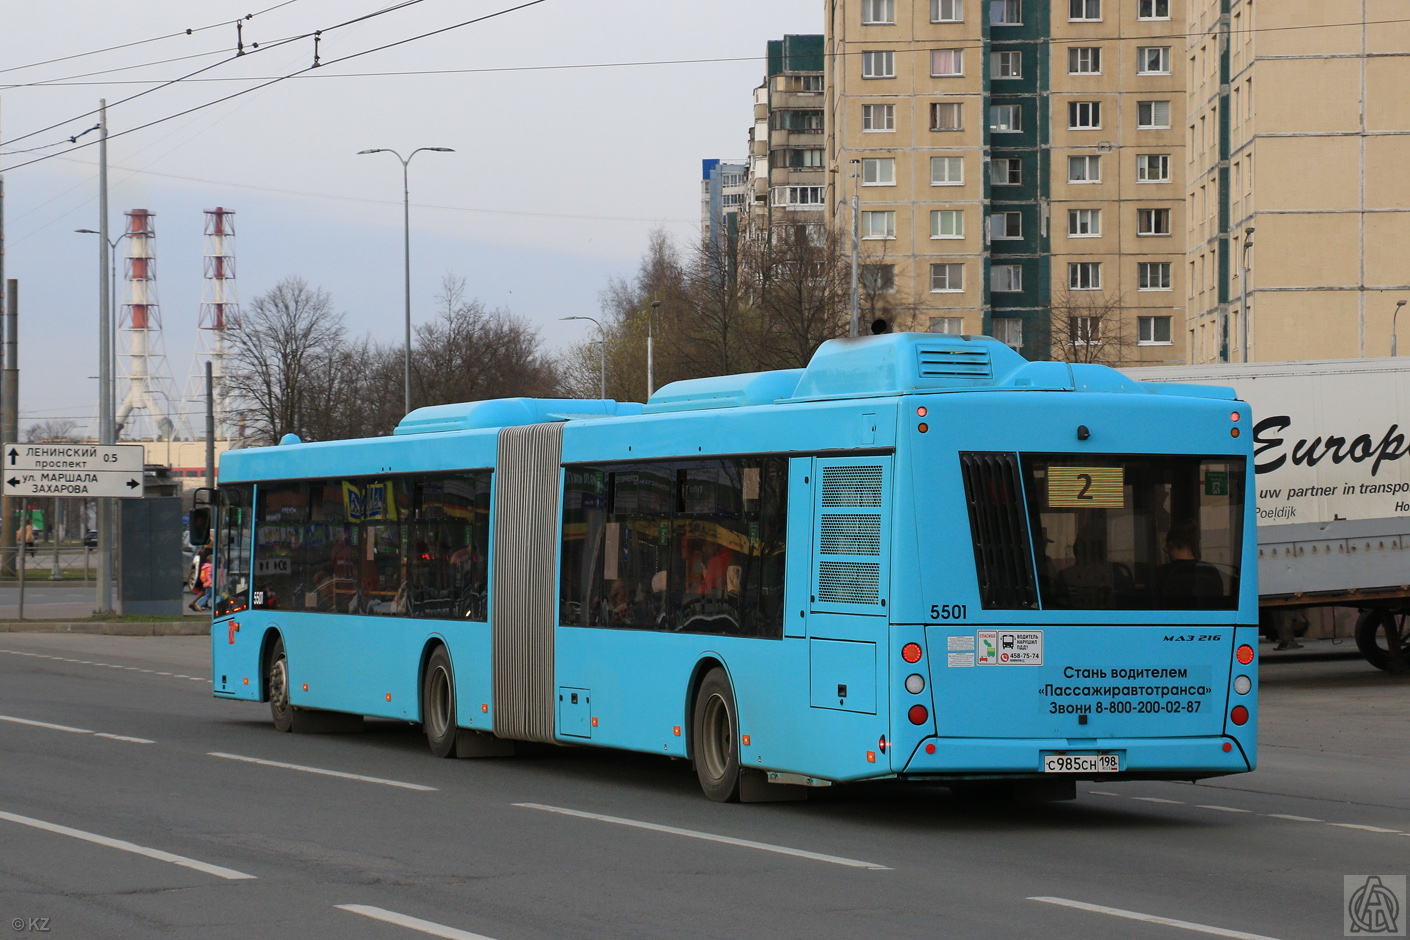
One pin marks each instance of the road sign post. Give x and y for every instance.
(113, 470)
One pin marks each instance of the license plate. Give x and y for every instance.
(1081, 764)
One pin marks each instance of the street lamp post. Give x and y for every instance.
(602, 349)
(1393, 317)
(406, 244)
(1243, 301)
(855, 298)
(650, 360)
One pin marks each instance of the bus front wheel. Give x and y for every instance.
(277, 681)
(715, 738)
(438, 703)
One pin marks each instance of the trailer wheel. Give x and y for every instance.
(1374, 631)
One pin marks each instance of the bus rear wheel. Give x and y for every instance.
(277, 681)
(1373, 635)
(715, 738)
(438, 703)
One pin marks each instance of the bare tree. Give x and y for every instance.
(54, 429)
(1089, 326)
(281, 346)
(803, 283)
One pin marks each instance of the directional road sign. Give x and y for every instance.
(73, 470)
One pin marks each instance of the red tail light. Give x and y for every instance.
(911, 652)
(1239, 715)
(918, 714)
(1244, 654)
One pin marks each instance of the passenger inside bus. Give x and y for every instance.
(1185, 581)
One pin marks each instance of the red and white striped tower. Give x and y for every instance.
(219, 307)
(146, 406)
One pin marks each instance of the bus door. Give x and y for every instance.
(849, 578)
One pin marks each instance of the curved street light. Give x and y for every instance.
(601, 347)
(406, 243)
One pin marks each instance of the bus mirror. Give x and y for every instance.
(199, 528)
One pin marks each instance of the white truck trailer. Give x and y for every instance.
(1332, 462)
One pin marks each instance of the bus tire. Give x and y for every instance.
(277, 681)
(1373, 641)
(715, 738)
(438, 714)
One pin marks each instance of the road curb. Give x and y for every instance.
(116, 628)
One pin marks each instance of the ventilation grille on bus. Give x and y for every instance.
(850, 535)
(848, 487)
(998, 525)
(849, 582)
(952, 363)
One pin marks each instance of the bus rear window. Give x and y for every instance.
(1135, 532)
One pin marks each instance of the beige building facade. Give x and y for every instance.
(1298, 129)
(1018, 167)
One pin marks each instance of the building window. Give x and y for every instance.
(1153, 115)
(1084, 9)
(946, 11)
(1084, 115)
(1006, 64)
(946, 116)
(1085, 169)
(1084, 275)
(1153, 331)
(1006, 278)
(879, 171)
(951, 325)
(879, 224)
(1153, 168)
(1006, 171)
(946, 171)
(1005, 118)
(946, 62)
(878, 278)
(878, 65)
(810, 83)
(1153, 275)
(1084, 223)
(1005, 226)
(1153, 10)
(1153, 60)
(1084, 331)
(878, 12)
(946, 223)
(1005, 13)
(798, 197)
(946, 278)
(1009, 331)
(1152, 221)
(1084, 60)
(878, 117)
(799, 122)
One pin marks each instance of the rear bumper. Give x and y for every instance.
(1179, 758)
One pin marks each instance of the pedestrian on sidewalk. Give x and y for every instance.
(24, 535)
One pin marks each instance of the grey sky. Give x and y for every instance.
(558, 178)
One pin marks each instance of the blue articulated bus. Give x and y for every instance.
(921, 557)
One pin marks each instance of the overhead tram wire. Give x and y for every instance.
(273, 44)
(266, 84)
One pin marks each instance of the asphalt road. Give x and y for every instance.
(400, 845)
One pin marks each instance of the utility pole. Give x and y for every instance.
(10, 417)
(856, 248)
(1243, 302)
(7, 510)
(210, 427)
(106, 534)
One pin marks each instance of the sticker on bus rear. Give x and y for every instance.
(1009, 648)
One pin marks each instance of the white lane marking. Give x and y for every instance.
(1364, 828)
(1154, 919)
(1223, 809)
(1102, 793)
(709, 837)
(1156, 799)
(414, 923)
(229, 874)
(1294, 818)
(320, 770)
(44, 724)
(85, 662)
(123, 737)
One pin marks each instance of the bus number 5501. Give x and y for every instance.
(947, 612)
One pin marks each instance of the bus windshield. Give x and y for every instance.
(1135, 532)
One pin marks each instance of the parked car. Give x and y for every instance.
(90, 538)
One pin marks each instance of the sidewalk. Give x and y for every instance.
(1310, 651)
(194, 626)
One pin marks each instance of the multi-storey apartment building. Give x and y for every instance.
(723, 194)
(787, 173)
(1018, 168)
(1308, 189)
